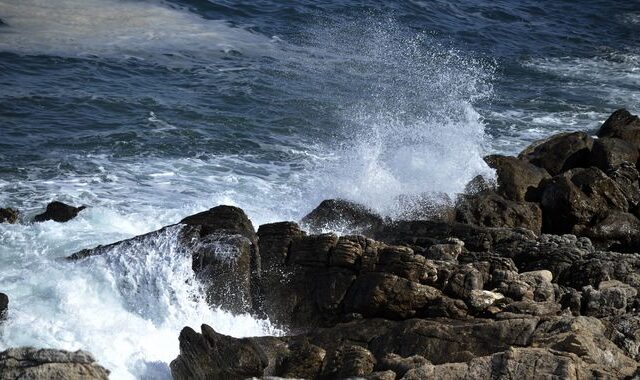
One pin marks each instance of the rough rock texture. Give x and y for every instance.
(4, 306)
(492, 210)
(560, 152)
(342, 216)
(8, 215)
(623, 125)
(608, 152)
(58, 212)
(518, 180)
(31, 363)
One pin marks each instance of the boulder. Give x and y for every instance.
(518, 180)
(4, 306)
(342, 216)
(609, 152)
(400, 365)
(560, 152)
(301, 360)
(211, 355)
(58, 212)
(348, 361)
(489, 209)
(618, 231)
(33, 363)
(622, 125)
(611, 298)
(573, 199)
(9, 215)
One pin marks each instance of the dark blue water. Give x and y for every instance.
(150, 110)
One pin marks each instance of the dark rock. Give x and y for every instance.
(59, 212)
(348, 361)
(489, 209)
(228, 220)
(623, 125)
(572, 200)
(211, 355)
(560, 152)
(595, 267)
(607, 153)
(518, 180)
(626, 176)
(8, 215)
(611, 298)
(400, 365)
(625, 333)
(618, 231)
(32, 363)
(429, 206)
(478, 184)
(342, 216)
(302, 360)
(4, 306)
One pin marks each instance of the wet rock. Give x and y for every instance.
(4, 306)
(400, 365)
(560, 152)
(572, 200)
(518, 180)
(622, 125)
(211, 355)
(479, 184)
(9, 215)
(611, 298)
(607, 153)
(302, 360)
(516, 362)
(349, 361)
(342, 216)
(618, 231)
(489, 209)
(59, 212)
(227, 220)
(32, 363)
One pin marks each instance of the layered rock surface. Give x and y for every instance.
(31, 363)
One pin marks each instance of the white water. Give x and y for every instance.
(126, 307)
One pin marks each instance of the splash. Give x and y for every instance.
(126, 306)
(412, 129)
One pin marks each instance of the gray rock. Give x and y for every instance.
(31, 363)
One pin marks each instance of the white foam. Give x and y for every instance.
(123, 29)
(126, 307)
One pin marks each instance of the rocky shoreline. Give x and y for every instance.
(533, 276)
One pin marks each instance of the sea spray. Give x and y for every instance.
(409, 127)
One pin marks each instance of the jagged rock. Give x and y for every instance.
(349, 361)
(623, 125)
(389, 296)
(491, 210)
(302, 360)
(400, 365)
(4, 306)
(59, 212)
(32, 363)
(607, 153)
(211, 355)
(619, 231)
(514, 363)
(625, 333)
(593, 268)
(570, 201)
(611, 298)
(446, 250)
(342, 216)
(228, 220)
(518, 180)
(382, 375)
(403, 262)
(479, 184)
(482, 299)
(560, 152)
(626, 176)
(8, 215)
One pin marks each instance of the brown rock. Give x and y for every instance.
(623, 125)
(32, 363)
(518, 180)
(560, 152)
(609, 152)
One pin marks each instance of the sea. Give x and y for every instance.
(148, 111)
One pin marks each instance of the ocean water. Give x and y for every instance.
(148, 111)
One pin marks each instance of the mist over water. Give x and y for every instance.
(149, 111)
